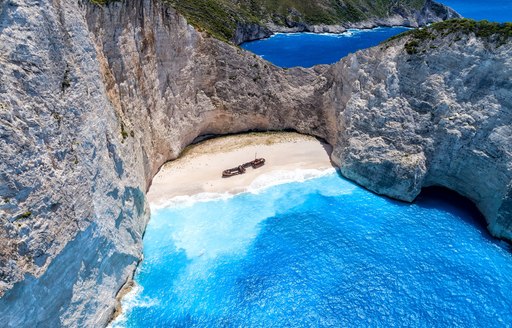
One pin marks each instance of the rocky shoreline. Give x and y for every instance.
(432, 12)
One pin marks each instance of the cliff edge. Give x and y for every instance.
(246, 20)
(432, 108)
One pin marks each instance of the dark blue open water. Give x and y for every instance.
(322, 253)
(492, 10)
(308, 49)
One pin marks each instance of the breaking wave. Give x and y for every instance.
(261, 183)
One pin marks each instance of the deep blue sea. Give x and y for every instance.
(321, 253)
(309, 49)
(491, 10)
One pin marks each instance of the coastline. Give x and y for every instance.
(197, 174)
(431, 12)
(322, 30)
(347, 32)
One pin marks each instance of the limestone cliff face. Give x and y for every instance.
(93, 100)
(440, 117)
(72, 208)
(176, 84)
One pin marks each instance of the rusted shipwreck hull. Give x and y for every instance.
(240, 169)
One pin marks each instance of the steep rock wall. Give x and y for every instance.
(94, 101)
(439, 117)
(172, 92)
(73, 209)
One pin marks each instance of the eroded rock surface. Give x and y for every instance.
(442, 117)
(93, 100)
(72, 209)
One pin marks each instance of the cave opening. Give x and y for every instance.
(453, 202)
(207, 136)
(200, 165)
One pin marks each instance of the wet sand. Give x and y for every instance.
(199, 169)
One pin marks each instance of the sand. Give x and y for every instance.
(199, 169)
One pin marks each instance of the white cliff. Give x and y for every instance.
(439, 117)
(94, 101)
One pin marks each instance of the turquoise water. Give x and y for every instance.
(322, 253)
(495, 10)
(308, 49)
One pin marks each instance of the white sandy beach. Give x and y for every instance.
(199, 169)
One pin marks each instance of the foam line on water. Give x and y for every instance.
(348, 33)
(286, 176)
(189, 200)
(131, 300)
(261, 183)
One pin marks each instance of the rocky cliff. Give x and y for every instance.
(244, 20)
(435, 110)
(93, 100)
(407, 13)
(73, 211)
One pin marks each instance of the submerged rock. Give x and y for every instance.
(93, 100)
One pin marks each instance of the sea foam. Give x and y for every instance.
(132, 299)
(261, 183)
(320, 253)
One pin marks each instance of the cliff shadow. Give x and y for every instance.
(204, 137)
(442, 198)
(437, 197)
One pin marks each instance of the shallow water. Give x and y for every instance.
(320, 253)
(323, 252)
(308, 49)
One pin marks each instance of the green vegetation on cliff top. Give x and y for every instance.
(481, 29)
(500, 33)
(221, 17)
(217, 17)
